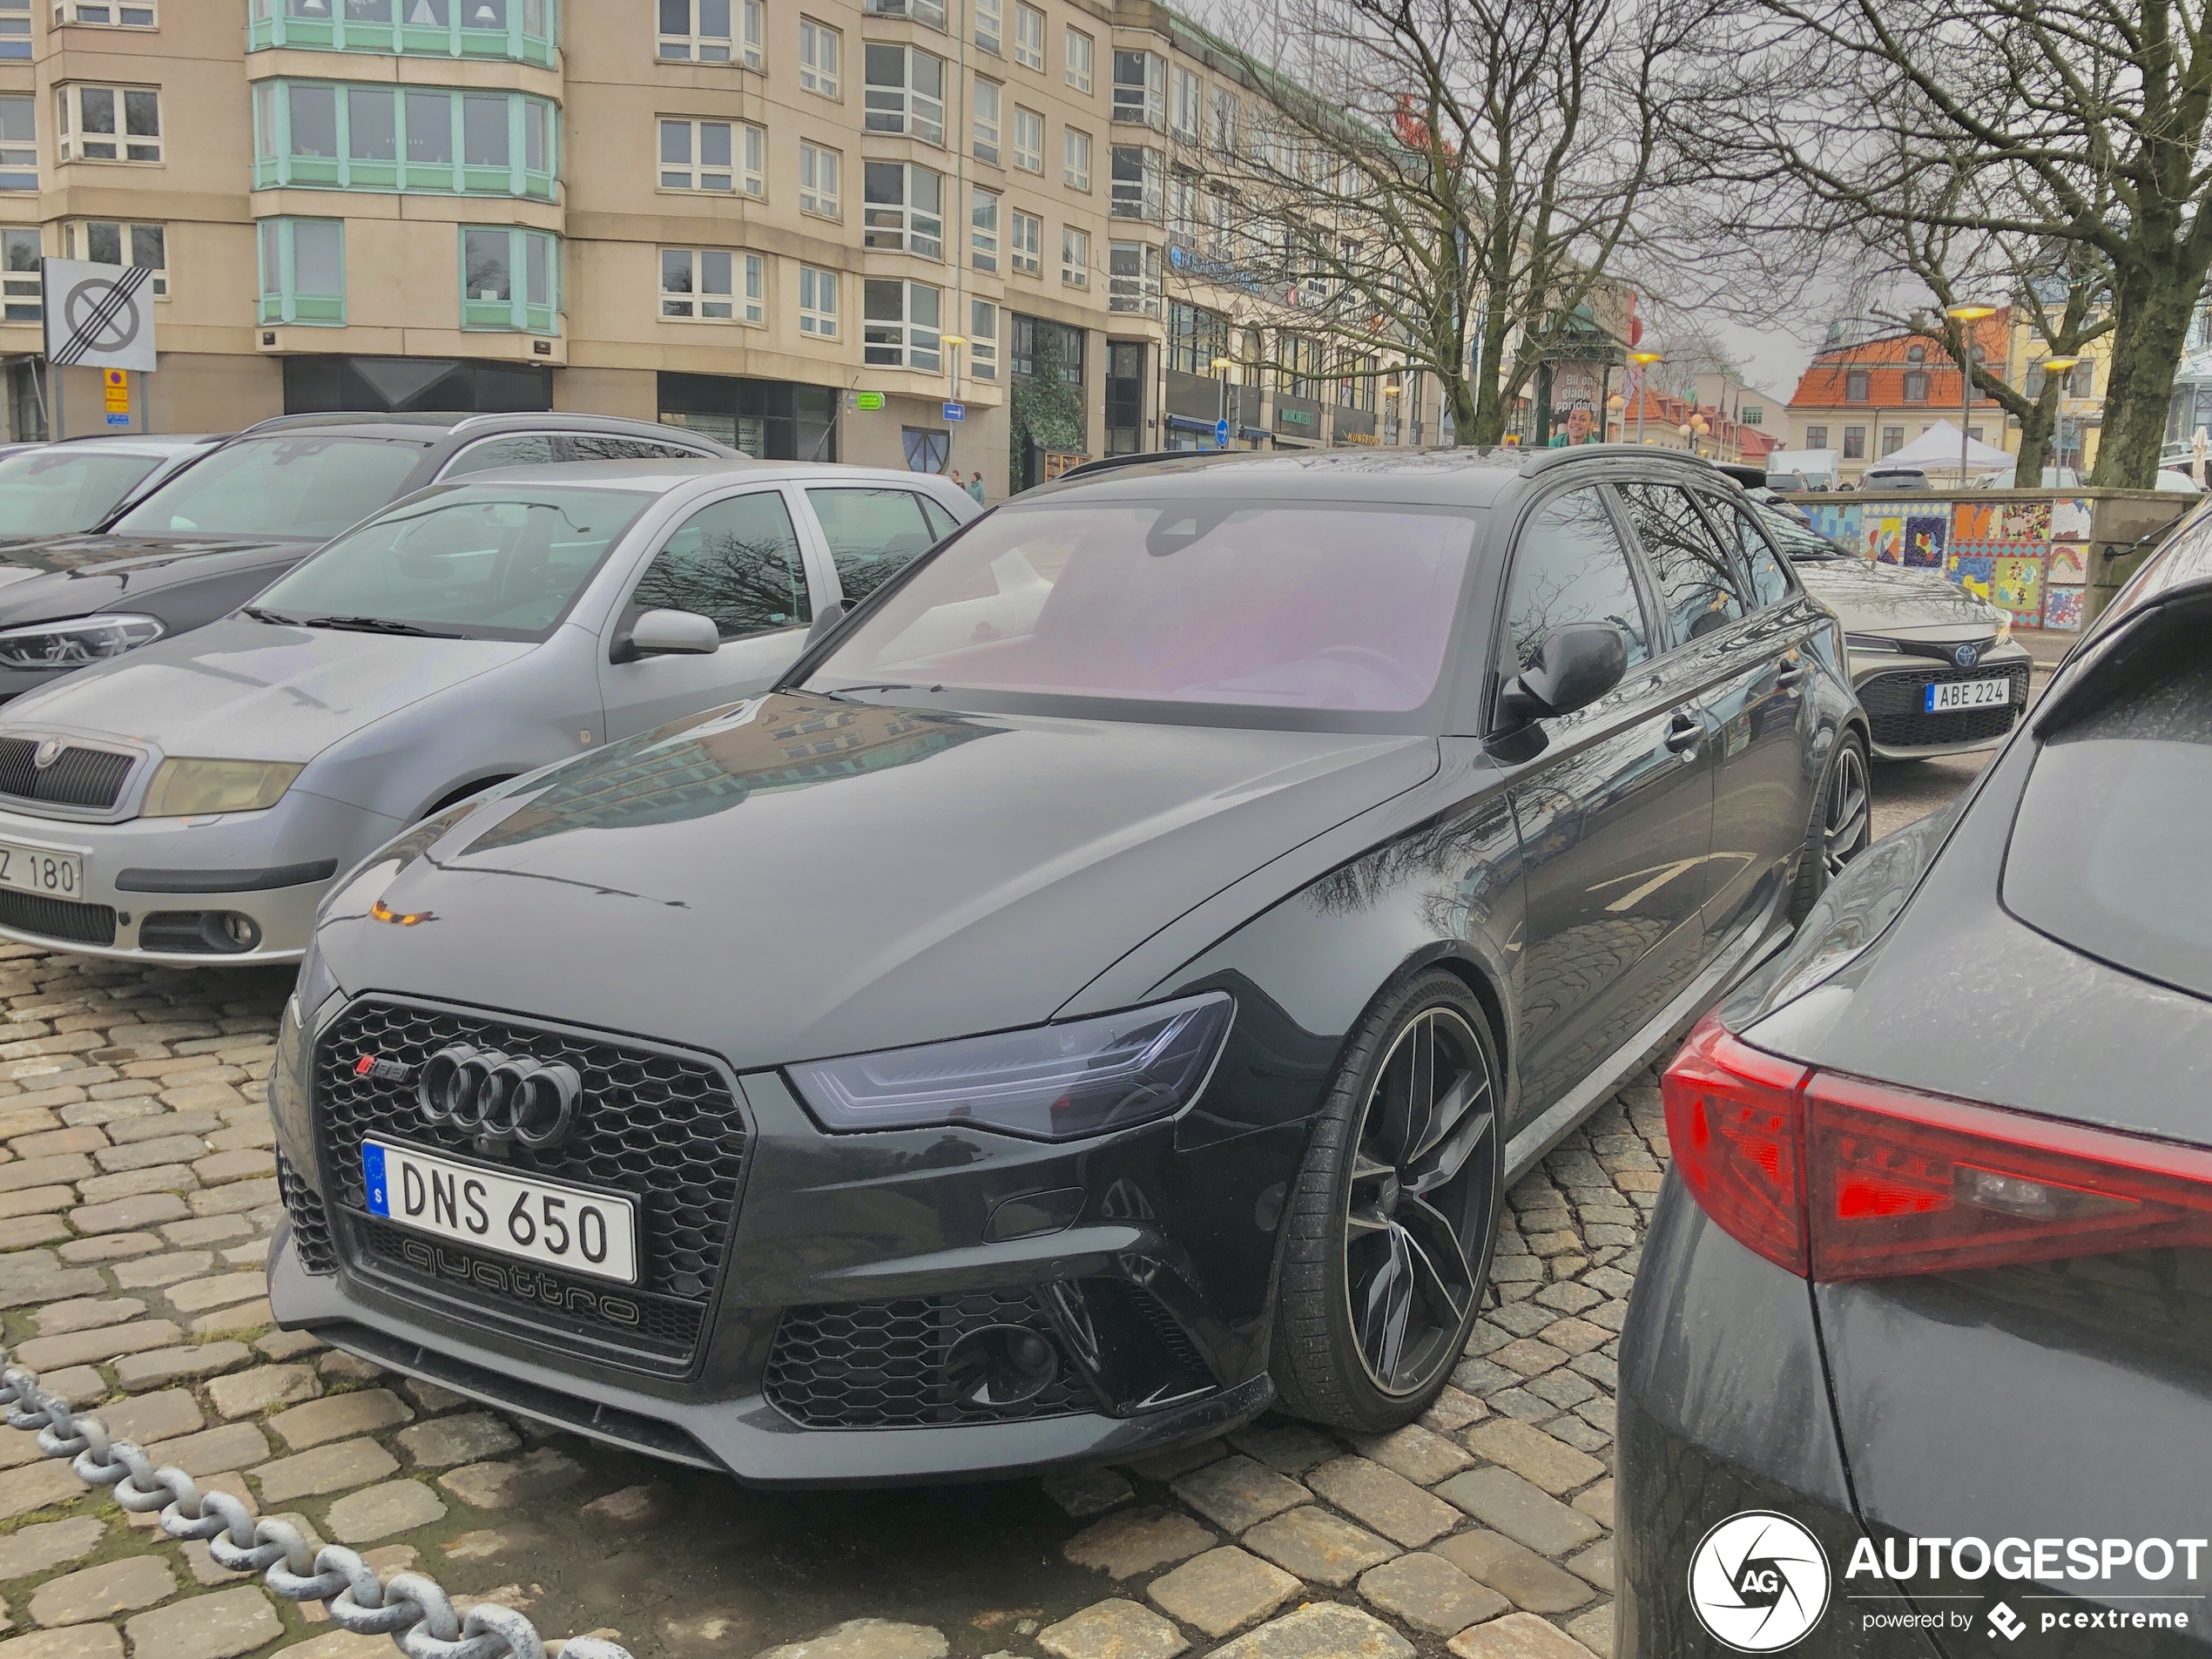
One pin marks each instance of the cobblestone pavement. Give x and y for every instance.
(137, 1199)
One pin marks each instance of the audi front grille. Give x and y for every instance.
(660, 1126)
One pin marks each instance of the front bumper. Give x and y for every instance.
(1890, 687)
(150, 882)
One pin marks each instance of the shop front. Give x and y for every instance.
(768, 420)
(325, 385)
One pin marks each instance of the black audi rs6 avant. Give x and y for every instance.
(1099, 993)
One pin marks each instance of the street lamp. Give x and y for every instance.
(1643, 360)
(2061, 366)
(1966, 316)
(1221, 368)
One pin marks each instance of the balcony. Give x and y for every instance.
(520, 31)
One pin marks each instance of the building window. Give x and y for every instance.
(1859, 385)
(1187, 95)
(1028, 140)
(1133, 278)
(983, 230)
(900, 325)
(1025, 244)
(819, 171)
(1029, 37)
(510, 279)
(821, 49)
(702, 29)
(720, 156)
(923, 11)
(1075, 158)
(987, 120)
(15, 28)
(904, 210)
(22, 282)
(983, 340)
(320, 134)
(1080, 54)
(1138, 172)
(106, 241)
(990, 24)
(1185, 221)
(1140, 88)
(518, 30)
(303, 271)
(1916, 386)
(816, 302)
(712, 285)
(98, 13)
(1916, 354)
(18, 142)
(1300, 373)
(1752, 414)
(1195, 337)
(1221, 222)
(1021, 348)
(1892, 439)
(1075, 257)
(108, 123)
(1854, 442)
(1224, 122)
(906, 92)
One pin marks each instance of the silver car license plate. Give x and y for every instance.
(578, 1229)
(42, 869)
(1954, 696)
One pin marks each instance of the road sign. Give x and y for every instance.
(868, 400)
(113, 419)
(118, 390)
(1221, 434)
(956, 411)
(98, 316)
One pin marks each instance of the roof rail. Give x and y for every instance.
(1114, 464)
(1540, 459)
(351, 417)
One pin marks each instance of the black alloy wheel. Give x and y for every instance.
(1390, 1226)
(1842, 826)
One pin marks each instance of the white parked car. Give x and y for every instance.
(192, 801)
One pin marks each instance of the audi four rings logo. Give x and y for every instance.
(1966, 656)
(502, 1099)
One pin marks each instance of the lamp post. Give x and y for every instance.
(1221, 366)
(2060, 367)
(1643, 360)
(1966, 316)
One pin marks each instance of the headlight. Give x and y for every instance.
(188, 788)
(1869, 642)
(2004, 626)
(1054, 1082)
(72, 645)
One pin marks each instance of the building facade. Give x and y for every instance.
(1870, 400)
(928, 234)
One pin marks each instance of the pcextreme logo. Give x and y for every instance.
(1758, 1582)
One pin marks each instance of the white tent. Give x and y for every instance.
(1937, 450)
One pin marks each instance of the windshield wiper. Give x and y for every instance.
(260, 615)
(375, 625)
(872, 685)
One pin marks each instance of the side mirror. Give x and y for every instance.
(669, 633)
(829, 617)
(1574, 666)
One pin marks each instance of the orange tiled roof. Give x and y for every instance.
(1825, 383)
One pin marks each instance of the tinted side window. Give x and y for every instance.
(941, 521)
(1699, 590)
(1571, 568)
(737, 561)
(525, 451)
(873, 535)
(1755, 555)
(584, 446)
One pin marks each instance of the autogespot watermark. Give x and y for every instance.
(1760, 1582)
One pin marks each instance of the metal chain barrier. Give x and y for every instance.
(409, 1607)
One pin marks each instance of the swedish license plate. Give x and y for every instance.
(576, 1228)
(1953, 696)
(41, 869)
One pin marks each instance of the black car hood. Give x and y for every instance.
(75, 575)
(797, 877)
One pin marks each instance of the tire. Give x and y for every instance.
(1842, 826)
(1361, 1226)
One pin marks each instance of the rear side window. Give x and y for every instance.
(736, 560)
(873, 535)
(1570, 567)
(530, 449)
(1699, 590)
(2109, 847)
(585, 446)
(1753, 554)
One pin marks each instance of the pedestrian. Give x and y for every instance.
(975, 487)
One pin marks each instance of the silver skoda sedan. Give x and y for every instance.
(190, 802)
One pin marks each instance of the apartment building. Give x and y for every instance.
(1869, 399)
(904, 232)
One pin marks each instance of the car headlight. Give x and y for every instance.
(2004, 626)
(72, 645)
(189, 788)
(1052, 1082)
(1869, 642)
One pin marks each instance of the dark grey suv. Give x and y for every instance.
(209, 538)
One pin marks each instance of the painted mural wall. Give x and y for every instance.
(2029, 558)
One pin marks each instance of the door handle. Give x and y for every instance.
(1685, 735)
(1790, 670)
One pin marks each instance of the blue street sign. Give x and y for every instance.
(1221, 434)
(118, 420)
(956, 411)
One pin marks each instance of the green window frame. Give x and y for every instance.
(450, 141)
(522, 31)
(510, 280)
(303, 271)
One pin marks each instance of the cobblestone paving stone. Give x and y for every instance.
(137, 1200)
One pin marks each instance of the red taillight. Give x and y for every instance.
(1836, 1178)
(1732, 1127)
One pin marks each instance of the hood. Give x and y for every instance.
(796, 876)
(80, 576)
(1887, 599)
(241, 690)
(131, 555)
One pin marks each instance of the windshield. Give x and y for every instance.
(1795, 538)
(1316, 606)
(480, 561)
(51, 492)
(294, 486)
